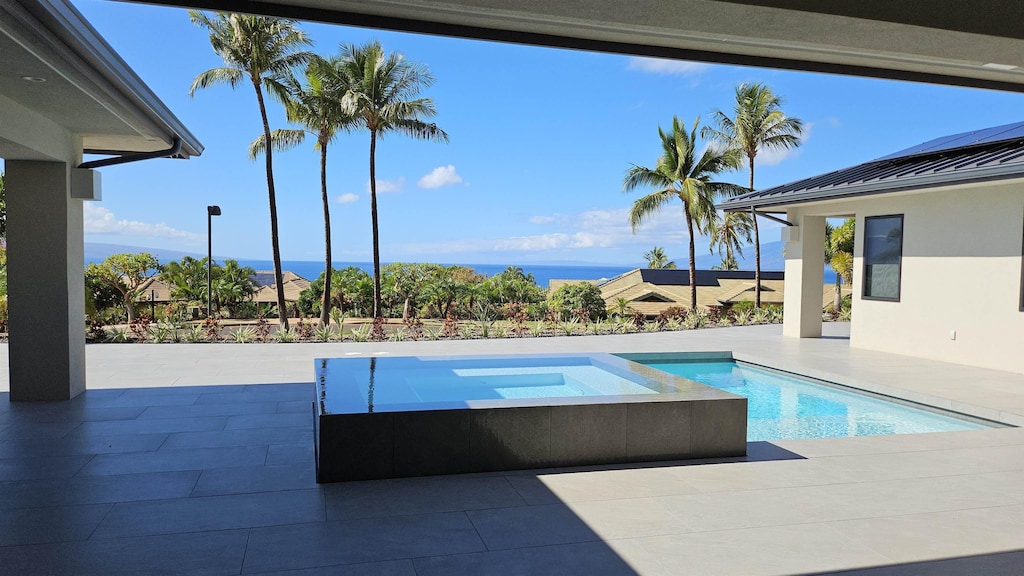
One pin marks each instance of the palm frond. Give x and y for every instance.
(229, 76)
(647, 206)
(281, 140)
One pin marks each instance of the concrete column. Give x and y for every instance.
(805, 275)
(45, 279)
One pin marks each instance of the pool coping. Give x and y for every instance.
(900, 399)
(958, 407)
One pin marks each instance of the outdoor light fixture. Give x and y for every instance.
(35, 79)
(211, 211)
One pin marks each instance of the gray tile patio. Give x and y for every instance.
(213, 475)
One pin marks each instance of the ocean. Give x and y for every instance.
(542, 273)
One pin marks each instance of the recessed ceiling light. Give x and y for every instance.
(995, 66)
(33, 79)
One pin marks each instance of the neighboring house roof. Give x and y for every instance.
(673, 277)
(978, 156)
(266, 277)
(156, 290)
(714, 288)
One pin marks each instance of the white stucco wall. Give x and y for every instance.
(961, 272)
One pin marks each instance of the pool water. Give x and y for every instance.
(783, 407)
(353, 385)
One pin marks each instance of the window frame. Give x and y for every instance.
(899, 270)
(1021, 308)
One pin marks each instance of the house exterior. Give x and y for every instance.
(653, 291)
(947, 213)
(157, 290)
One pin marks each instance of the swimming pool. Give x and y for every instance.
(387, 417)
(783, 407)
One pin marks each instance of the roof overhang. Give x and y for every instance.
(979, 163)
(56, 67)
(978, 43)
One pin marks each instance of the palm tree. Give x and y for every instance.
(729, 231)
(758, 123)
(839, 256)
(265, 50)
(383, 97)
(679, 173)
(657, 259)
(317, 107)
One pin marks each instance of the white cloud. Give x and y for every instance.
(99, 220)
(348, 198)
(542, 219)
(661, 66)
(595, 229)
(440, 176)
(776, 156)
(387, 186)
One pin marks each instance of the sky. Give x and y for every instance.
(540, 140)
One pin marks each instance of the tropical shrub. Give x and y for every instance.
(583, 297)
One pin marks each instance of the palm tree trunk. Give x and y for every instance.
(325, 306)
(757, 244)
(693, 258)
(837, 303)
(373, 219)
(282, 310)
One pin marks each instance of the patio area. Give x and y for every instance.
(198, 459)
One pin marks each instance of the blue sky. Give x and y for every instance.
(540, 140)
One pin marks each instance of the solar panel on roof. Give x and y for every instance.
(983, 136)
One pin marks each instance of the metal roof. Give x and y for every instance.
(991, 154)
(670, 277)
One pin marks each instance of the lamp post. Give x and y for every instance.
(211, 211)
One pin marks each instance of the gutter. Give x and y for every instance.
(174, 150)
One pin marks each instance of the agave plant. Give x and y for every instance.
(431, 333)
(117, 335)
(243, 334)
(195, 334)
(537, 329)
(361, 334)
(695, 319)
(160, 331)
(324, 333)
(285, 335)
(761, 316)
(569, 327)
(673, 323)
(745, 317)
(399, 335)
(500, 331)
(652, 327)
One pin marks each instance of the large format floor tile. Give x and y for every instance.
(219, 480)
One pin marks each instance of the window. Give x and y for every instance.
(883, 254)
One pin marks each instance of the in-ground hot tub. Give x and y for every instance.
(389, 417)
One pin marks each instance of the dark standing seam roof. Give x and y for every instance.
(670, 277)
(979, 156)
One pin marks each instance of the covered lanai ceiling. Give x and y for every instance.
(978, 43)
(58, 76)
